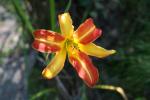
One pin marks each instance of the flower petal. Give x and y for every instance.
(47, 41)
(85, 68)
(56, 65)
(87, 32)
(94, 50)
(66, 26)
(45, 47)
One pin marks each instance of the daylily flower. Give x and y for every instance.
(76, 44)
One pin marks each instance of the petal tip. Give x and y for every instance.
(91, 85)
(112, 51)
(47, 73)
(63, 15)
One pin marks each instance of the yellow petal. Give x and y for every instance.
(66, 26)
(56, 65)
(94, 50)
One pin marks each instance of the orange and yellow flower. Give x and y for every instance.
(76, 44)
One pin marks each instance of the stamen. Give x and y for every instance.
(71, 46)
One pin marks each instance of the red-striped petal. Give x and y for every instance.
(87, 32)
(85, 68)
(91, 37)
(44, 47)
(47, 41)
(48, 35)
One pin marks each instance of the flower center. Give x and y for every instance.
(71, 45)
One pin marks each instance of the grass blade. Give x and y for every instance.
(23, 15)
(41, 93)
(113, 88)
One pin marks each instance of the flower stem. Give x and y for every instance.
(52, 14)
(68, 6)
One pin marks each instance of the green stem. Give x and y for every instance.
(52, 14)
(52, 21)
(68, 6)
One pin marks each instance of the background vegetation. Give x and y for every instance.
(126, 27)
